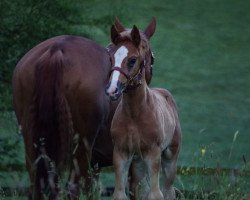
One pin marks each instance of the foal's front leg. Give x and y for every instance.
(121, 162)
(154, 164)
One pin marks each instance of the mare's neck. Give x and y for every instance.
(134, 101)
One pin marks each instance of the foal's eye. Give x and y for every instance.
(131, 62)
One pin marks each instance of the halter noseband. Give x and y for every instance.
(131, 79)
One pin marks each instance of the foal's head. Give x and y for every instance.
(131, 58)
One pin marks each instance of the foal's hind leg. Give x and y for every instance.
(137, 172)
(169, 172)
(169, 159)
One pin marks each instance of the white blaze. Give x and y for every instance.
(120, 54)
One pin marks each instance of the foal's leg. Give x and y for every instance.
(169, 159)
(169, 172)
(154, 162)
(137, 172)
(121, 162)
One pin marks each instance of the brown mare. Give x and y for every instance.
(145, 128)
(60, 103)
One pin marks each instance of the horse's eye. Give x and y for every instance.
(131, 62)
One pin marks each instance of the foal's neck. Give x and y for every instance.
(134, 101)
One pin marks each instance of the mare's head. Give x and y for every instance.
(131, 58)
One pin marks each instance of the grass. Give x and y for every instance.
(202, 56)
(219, 185)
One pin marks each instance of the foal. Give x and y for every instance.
(145, 127)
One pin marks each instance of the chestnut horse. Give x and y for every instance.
(145, 128)
(60, 104)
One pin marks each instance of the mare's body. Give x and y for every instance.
(58, 96)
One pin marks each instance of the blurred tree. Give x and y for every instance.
(25, 23)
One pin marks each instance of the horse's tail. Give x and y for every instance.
(52, 128)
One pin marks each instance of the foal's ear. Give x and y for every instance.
(114, 35)
(135, 35)
(149, 31)
(119, 27)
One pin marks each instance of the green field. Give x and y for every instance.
(202, 55)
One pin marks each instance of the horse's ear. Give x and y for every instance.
(119, 27)
(149, 31)
(114, 35)
(135, 35)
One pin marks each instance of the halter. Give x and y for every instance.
(131, 79)
(130, 85)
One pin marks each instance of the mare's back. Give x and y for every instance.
(84, 59)
(84, 75)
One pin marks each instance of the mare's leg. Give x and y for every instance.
(73, 181)
(82, 176)
(90, 182)
(169, 159)
(153, 159)
(92, 185)
(35, 190)
(46, 177)
(86, 129)
(43, 177)
(121, 162)
(80, 167)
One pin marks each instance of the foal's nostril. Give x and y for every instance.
(116, 91)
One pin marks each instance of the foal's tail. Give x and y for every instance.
(52, 128)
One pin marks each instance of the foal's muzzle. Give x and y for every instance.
(115, 92)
